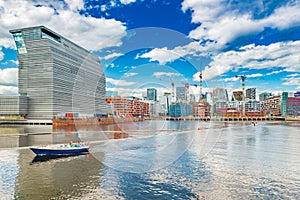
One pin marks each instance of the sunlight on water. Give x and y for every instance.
(176, 160)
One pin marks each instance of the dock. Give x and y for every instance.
(226, 118)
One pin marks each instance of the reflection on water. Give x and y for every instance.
(220, 161)
(46, 158)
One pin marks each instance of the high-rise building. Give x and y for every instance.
(264, 96)
(251, 93)
(181, 93)
(283, 107)
(219, 94)
(180, 110)
(152, 94)
(57, 75)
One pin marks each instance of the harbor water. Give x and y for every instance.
(155, 160)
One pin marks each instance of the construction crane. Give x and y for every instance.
(243, 77)
(200, 77)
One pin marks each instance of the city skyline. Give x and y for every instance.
(143, 44)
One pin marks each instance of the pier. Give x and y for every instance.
(227, 118)
(25, 122)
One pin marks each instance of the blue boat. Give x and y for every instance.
(60, 150)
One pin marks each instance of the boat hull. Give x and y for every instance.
(71, 151)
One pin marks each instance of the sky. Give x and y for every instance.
(154, 43)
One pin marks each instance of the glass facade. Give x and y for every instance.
(152, 94)
(20, 43)
(51, 36)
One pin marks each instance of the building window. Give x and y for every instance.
(49, 35)
(20, 43)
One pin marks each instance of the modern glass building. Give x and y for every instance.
(251, 93)
(152, 94)
(57, 75)
(180, 110)
(181, 93)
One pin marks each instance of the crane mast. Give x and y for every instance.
(200, 76)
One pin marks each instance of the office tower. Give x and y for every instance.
(219, 94)
(251, 93)
(152, 94)
(57, 75)
(181, 93)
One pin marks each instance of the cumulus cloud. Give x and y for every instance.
(87, 31)
(223, 25)
(293, 75)
(9, 76)
(8, 90)
(1, 54)
(165, 55)
(281, 54)
(119, 82)
(292, 81)
(162, 55)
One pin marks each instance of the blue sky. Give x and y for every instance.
(152, 43)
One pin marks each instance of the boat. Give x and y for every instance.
(60, 149)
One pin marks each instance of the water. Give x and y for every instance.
(174, 160)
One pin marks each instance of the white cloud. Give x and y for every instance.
(162, 55)
(8, 90)
(129, 74)
(87, 31)
(1, 54)
(119, 82)
(75, 5)
(233, 79)
(281, 54)
(165, 55)
(127, 1)
(169, 74)
(112, 55)
(293, 75)
(275, 72)
(9, 76)
(222, 24)
(103, 8)
(254, 75)
(292, 81)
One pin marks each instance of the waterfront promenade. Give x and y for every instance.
(234, 118)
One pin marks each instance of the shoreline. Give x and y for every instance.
(89, 122)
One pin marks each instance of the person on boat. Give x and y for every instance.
(71, 144)
(77, 144)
